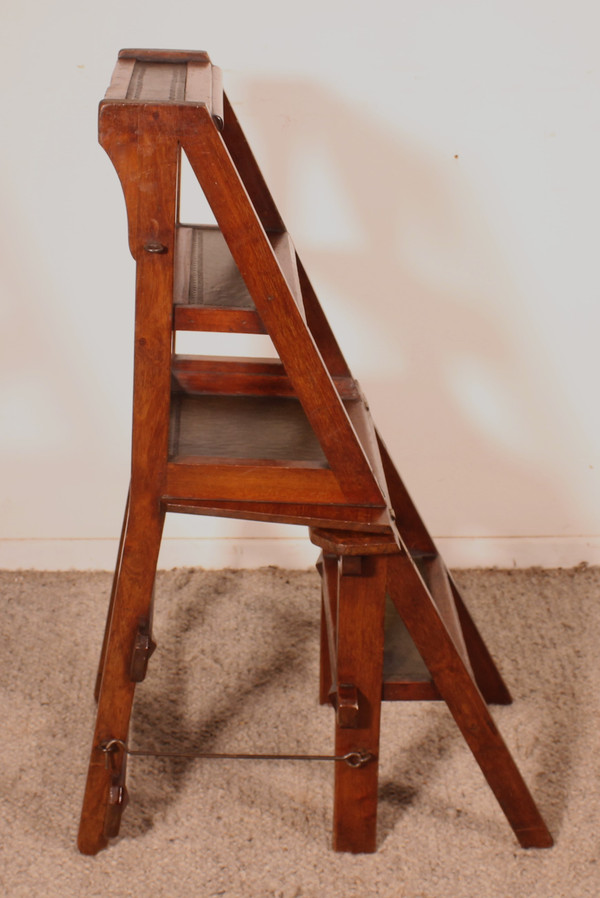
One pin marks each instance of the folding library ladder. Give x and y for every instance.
(288, 440)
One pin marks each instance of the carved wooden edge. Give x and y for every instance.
(203, 81)
(149, 55)
(352, 543)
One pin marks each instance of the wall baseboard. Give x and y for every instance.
(293, 553)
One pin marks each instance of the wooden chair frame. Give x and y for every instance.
(338, 479)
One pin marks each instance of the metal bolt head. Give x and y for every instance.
(155, 247)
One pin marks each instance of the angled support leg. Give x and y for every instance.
(466, 704)
(328, 569)
(417, 538)
(112, 599)
(360, 620)
(105, 794)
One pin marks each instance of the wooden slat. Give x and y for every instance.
(243, 376)
(232, 376)
(212, 277)
(165, 55)
(350, 543)
(256, 481)
(215, 320)
(207, 280)
(209, 293)
(309, 514)
(410, 691)
(242, 427)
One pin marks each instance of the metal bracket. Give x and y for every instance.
(347, 706)
(143, 648)
(117, 792)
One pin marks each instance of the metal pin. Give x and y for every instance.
(354, 759)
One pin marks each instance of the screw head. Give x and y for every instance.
(155, 247)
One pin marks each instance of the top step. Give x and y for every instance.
(167, 76)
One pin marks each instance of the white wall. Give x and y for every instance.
(436, 164)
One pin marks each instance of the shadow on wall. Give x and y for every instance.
(413, 281)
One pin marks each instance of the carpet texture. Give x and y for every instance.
(237, 670)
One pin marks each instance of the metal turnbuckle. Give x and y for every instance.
(353, 759)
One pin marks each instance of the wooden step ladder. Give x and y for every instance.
(288, 439)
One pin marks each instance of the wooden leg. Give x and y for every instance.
(467, 705)
(112, 599)
(360, 619)
(132, 601)
(328, 568)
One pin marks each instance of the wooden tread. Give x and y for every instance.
(210, 293)
(168, 76)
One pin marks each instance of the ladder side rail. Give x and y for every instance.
(262, 200)
(254, 256)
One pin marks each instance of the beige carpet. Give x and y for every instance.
(237, 669)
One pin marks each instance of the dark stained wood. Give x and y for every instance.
(166, 56)
(255, 481)
(347, 543)
(357, 517)
(405, 676)
(111, 604)
(133, 600)
(277, 307)
(409, 690)
(286, 440)
(141, 541)
(240, 376)
(224, 321)
(360, 615)
(117, 128)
